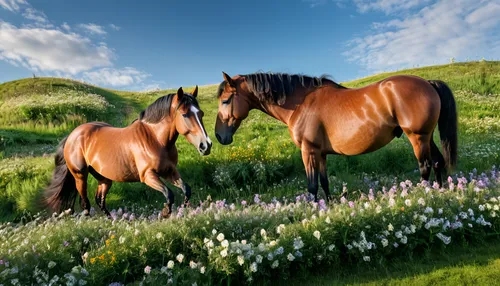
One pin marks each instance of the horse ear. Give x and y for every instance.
(180, 93)
(228, 79)
(195, 91)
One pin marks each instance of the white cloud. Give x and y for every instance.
(12, 5)
(115, 77)
(314, 3)
(66, 27)
(448, 28)
(35, 15)
(387, 6)
(51, 50)
(114, 27)
(93, 29)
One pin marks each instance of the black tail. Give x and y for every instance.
(448, 126)
(61, 193)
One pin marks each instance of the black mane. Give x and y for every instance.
(275, 87)
(160, 109)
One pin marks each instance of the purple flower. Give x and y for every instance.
(243, 203)
(65, 243)
(256, 199)
(371, 197)
(322, 205)
(1, 262)
(147, 269)
(351, 204)
(343, 200)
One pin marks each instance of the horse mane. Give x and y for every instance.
(275, 87)
(160, 109)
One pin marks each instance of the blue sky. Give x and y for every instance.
(141, 45)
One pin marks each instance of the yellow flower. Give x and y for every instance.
(113, 236)
(107, 242)
(109, 252)
(402, 209)
(92, 260)
(101, 257)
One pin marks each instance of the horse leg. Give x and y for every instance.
(153, 180)
(179, 183)
(104, 186)
(438, 162)
(422, 149)
(323, 177)
(311, 159)
(81, 185)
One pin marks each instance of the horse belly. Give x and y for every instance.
(365, 139)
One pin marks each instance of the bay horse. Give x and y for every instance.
(143, 151)
(324, 117)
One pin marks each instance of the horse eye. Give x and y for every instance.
(185, 115)
(226, 101)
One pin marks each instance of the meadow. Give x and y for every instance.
(251, 219)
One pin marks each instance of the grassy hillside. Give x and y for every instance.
(38, 112)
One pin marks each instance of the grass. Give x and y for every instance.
(469, 265)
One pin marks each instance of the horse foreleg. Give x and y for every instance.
(323, 177)
(104, 186)
(179, 183)
(438, 163)
(153, 180)
(422, 149)
(311, 159)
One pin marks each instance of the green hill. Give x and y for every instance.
(35, 113)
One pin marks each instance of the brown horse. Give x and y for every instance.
(324, 117)
(144, 151)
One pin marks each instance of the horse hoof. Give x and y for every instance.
(165, 212)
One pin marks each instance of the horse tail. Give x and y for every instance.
(448, 126)
(61, 192)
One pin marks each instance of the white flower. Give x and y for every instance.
(258, 258)
(392, 202)
(122, 239)
(214, 231)
(366, 258)
(193, 264)
(413, 228)
(136, 233)
(280, 228)
(52, 264)
(390, 227)
(385, 242)
(241, 259)
(317, 234)
(440, 211)
(180, 257)
(331, 247)
(275, 264)
(421, 201)
(159, 235)
(263, 233)
(170, 264)
(253, 267)
(223, 253)
(398, 234)
(225, 243)
(408, 202)
(481, 207)
(327, 220)
(445, 239)
(244, 241)
(404, 239)
(272, 243)
(378, 209)
(202, 270)
(220, 237)
(290, 257)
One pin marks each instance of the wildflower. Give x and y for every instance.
(384, 242)
(147, 269)
(223, 253)
(327, 220)
(244, 241)
(52, 264)
(270, 256)
(317, 234)
(243, 203)
(440, 211)
(275, 264)
(366, 258)
(159, 235)
(445, 239)
(256, 199)
(263, 233)
(122, 239)
(404, 239)
(92, 260)
(331, 247)
(136, 233)
(396, 244)
(253, 267)
(398, 234)
(280, 250)
(241, 260)
(280, 228)
(297, 243)
(193, 264)
(390, 227)
(65, 243)
(180, 257)
(170, 264)
(273, 243)
(290, 257)
(378, 209)
(392, 202)
(421, 201)
(351, 204)
(258, 258)
(214, 231)
(202, 270)
(225, 243)
(220, 237)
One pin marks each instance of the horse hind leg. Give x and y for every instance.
(103, 187)
(311, 159)
(323, 177)
(438, 163)
(422, 149)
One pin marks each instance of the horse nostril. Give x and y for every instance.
(202, 146)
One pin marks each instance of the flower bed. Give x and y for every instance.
(248, 242)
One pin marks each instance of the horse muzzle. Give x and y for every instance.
(204, 148)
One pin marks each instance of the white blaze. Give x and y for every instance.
(195, 112)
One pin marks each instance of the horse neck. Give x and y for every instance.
(282, 112)
(165, 132)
